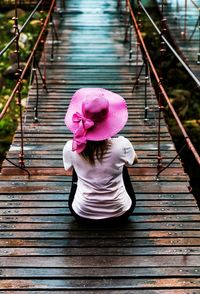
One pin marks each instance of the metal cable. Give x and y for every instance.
(11, 162)
(182, 148)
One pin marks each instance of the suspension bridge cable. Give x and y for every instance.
(195, 4)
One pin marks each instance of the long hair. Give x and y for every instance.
(95, 150)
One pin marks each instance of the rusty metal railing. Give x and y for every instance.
(32, 63)
(162, 92)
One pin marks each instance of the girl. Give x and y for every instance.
(104, 193)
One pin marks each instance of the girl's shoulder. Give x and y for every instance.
(120, 141)
(68, 145)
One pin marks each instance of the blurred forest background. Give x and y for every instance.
(9, 66)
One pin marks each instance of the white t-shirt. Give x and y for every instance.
(100, 188)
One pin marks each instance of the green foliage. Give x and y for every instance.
(8, 62)
(7, 127)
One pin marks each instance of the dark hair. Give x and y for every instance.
(95, 150)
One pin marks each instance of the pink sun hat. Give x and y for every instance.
(95, 114)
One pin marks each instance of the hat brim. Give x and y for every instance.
(114, 122)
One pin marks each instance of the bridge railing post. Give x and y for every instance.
(146, 89)
(37, 90)
(160, 108)
(126, 22)
(18, 91)
(54, 36)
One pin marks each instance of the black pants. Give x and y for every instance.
(112, 220)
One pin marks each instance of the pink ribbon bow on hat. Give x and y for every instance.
(83, 124)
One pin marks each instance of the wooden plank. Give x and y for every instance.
(64, 196)
(63, 211)
(130, 272)
(63, 203)
(99, 284)
(104, 291)
(39, 226)
(92, 242)
(153, 187)
(99, 234)
(93, 251)
(137, 173)
(169, 219)
(146, 291)
(100, 261)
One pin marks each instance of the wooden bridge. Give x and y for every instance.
(42, 248)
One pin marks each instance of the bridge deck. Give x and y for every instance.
(42, 249)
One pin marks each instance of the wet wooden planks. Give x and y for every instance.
(42, 248)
